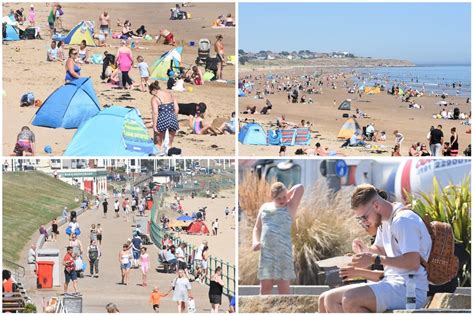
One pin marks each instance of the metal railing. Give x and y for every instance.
(228, 270)
(18, 271)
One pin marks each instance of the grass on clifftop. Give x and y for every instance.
(31, 199)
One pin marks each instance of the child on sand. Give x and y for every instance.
(200, 128)
(144, 73)
(398, 138)
(272, 236)
(155, 298)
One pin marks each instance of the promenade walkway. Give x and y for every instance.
(97, 292)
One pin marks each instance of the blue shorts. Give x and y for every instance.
(70, 276)
(126, 266)
(136, 254)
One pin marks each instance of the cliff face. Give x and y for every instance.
(326, 63)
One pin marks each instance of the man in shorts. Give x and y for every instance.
(104, 21)
(401, 239)
(69, 271)
(219, 49)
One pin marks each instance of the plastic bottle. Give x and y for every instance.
(411, 293)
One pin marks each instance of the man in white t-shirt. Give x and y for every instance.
(401, 238)
(181, 256)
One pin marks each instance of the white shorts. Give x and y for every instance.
(391, 294)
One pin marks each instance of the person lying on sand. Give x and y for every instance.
(360, 114)
(250, 110)
(229, 20)
(283, 123)
(200, 128)
(168, 36)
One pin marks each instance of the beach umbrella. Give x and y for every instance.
(178, 224)
(441, 103)
(184, 218)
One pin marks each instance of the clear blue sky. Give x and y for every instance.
(420, 32)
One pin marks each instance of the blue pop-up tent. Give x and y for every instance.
(115, 131)
(12, 34)
(252, 134)
(69, 106)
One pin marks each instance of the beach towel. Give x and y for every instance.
(288, 137)
(97, 59)
(303, 136)
(208, 76)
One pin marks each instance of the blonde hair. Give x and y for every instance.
(277, 188)
(362, 195)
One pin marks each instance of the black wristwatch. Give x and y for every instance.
(377, 261)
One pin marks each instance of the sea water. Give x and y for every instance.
(435, 79)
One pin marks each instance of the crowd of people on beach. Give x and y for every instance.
(118, 69)
(298, 88)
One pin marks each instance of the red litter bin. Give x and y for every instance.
(45, 274)
(149, 204)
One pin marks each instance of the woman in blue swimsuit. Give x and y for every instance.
(73, 71)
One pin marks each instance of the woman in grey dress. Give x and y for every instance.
(182, 291)
(272, 236)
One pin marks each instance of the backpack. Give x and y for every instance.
(93, 253)
(442, 265)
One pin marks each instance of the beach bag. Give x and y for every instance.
(27, 99)
(442, 265)
(191, 306)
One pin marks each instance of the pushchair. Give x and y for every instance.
(204, 49)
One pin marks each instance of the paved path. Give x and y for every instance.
(97, 292)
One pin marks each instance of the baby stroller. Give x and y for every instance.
(203, 51)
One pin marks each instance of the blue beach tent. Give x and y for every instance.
(13, 34)
(252, 134)
(69, 106)
(115, 131)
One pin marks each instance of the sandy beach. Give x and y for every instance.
(25, 69)
(222, 245)
(387, 112)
